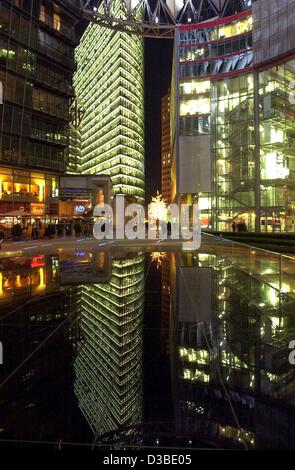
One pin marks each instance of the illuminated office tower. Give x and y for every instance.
(109, 365)
(109, 87)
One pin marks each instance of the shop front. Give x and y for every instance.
(47, 205)
(78, 195)
(27, 198)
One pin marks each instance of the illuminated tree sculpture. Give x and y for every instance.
(158, 208)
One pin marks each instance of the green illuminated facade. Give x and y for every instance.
(109, 365)
(109, 87)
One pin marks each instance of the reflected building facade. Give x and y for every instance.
(108, 366)
(233, 384)
(234, 118)
(165, 149)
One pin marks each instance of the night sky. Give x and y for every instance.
(158, 63)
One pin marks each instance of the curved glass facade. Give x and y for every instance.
(235, 126)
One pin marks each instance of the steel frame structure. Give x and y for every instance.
(156, 18)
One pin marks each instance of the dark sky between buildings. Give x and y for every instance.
(158, 63)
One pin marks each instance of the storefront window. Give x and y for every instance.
(38, 186)
(21, 184)
(6, 183)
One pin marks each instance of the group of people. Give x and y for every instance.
(161, 224)
(239, 226)
(33, 230)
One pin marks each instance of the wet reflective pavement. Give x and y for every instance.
(140, 346)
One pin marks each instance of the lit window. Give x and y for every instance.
(42, 13)
(56, 21)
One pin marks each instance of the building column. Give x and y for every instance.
(257, 153)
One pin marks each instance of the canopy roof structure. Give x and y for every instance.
(157, 18)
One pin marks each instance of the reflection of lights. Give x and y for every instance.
(158, 258)
(267, 271)
(42, 284)
(54, 262)
(200, 356)
(37, 261)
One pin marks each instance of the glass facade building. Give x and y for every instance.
(234, 121)
(36, 68)
(109, 87)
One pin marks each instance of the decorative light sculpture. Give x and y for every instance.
(158, 208)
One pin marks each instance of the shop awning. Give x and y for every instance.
(17, 213)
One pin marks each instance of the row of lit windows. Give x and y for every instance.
(119, 78)
(108, 151)
(107, 72)
(118, 107)
(214, 33)
(115, 122)
(216, 66)
(116, 134)
(109, 84)
(215, 50)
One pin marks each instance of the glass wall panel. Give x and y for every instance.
(233, 151)
(277, 149)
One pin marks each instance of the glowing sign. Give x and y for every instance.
(37, 209)
(80, 209)
(38, 261)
